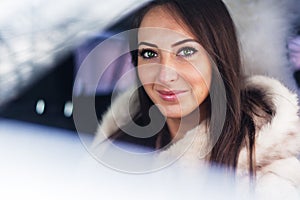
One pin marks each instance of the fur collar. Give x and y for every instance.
(277, 140)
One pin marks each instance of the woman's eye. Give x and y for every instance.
(148, 54)
(186, 51)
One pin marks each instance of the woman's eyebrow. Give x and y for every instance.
(147, 44)
(184, 41)
(173, 45)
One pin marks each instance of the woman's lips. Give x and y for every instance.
(170, 95)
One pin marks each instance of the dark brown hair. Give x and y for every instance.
(210, 22)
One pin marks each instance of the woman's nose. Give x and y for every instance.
(167, 72)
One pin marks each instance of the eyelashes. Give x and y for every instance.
(184, 52)
(148, 53)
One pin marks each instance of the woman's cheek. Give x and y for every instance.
(146, 74)
(199, 82)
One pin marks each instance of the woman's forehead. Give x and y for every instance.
(163, 22)
(162, 37)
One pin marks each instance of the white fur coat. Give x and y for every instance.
(277, 143)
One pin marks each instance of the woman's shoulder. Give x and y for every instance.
(277, 142)
(123, 107)
(280, 94)
(280, 136)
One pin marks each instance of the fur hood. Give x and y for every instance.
(277, 143)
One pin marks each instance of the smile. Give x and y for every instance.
(170, 96)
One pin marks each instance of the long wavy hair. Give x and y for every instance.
(210, 22)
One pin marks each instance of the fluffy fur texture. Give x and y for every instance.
(277, 143)
(264, 27)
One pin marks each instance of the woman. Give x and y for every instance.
(188, 63)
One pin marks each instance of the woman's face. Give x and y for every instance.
(173, 67)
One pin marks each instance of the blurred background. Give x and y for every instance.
(42, 46)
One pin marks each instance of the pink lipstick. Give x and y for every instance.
(170, 96)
